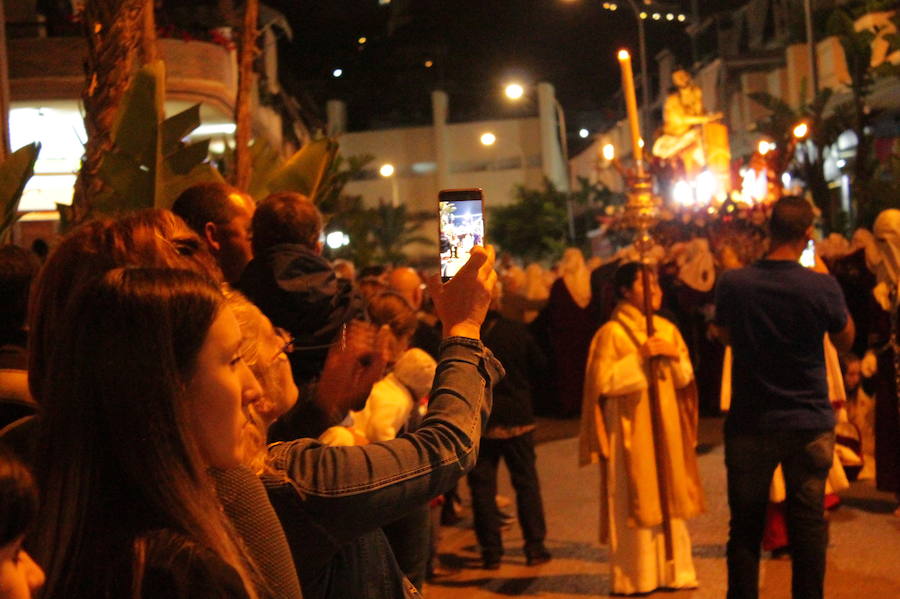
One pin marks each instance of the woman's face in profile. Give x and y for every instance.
(219, 390)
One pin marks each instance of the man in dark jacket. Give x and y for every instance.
(297, 289)
(509, 435)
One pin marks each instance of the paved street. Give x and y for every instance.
(863, 557)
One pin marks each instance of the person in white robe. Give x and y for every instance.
(617, 433)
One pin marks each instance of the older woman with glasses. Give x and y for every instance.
(333, 501)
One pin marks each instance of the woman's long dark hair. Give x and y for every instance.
(147, 238)
(118, 456)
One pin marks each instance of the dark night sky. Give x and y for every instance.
(476, 45)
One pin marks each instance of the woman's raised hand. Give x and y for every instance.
(463, 301)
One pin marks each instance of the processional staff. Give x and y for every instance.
(640, 214)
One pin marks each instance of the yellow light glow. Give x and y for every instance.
(763, 147)
(656, 16)
(641, 142)
(613, 6)
(514, 91)
(429, 64)
(609, 152)
(670, 17)
(624, 55)
(681, 18)
(362, 40)
(643, 15)
(488, 139)
(801, 130)
(386, 170)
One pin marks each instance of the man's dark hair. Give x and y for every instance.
(18, 267)
(791, 217)
(205, 203)
(625, 276)
(286, 217)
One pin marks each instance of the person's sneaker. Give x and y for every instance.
(538, 556)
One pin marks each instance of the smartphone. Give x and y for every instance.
(808, 257)
(460, 227)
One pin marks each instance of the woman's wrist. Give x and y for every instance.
(463, 329)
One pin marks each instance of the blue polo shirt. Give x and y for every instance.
(778, 313)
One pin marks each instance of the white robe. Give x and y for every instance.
(637, 552)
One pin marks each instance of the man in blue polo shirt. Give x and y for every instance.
(775, 314)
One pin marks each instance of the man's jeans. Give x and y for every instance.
(805, 458)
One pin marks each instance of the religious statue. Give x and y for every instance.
(689, 133)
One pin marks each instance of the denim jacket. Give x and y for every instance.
(332, 501)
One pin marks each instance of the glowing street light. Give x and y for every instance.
(583, 133)
(609, 152)
(337, 239)
(387, 171)
(488, 139)
(801, 130)
(337, 73)
(514, 91)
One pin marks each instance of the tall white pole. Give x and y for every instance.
(439, 109)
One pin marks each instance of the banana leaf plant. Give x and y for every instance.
(150, 165)
(304, 172)
(15, 172)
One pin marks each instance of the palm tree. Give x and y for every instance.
(114, 30)
(243, 118)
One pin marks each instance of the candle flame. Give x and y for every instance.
(624, 55)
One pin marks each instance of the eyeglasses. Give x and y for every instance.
(288, 345)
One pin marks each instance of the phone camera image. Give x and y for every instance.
(461, 228)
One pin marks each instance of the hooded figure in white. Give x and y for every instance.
(886, 263)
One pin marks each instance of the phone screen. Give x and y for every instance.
(808, 257)
(461, 218)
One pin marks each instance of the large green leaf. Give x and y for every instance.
(149, 164)
(186, 157)
(131, 184)
(177, 127)
(136, 131)
(303, 172)
(265, 161)
(14, 174)
(175, 183)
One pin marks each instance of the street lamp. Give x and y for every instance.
(609, 152)
(801, 130)
(387, 171)
(488, 139)
(515, 91)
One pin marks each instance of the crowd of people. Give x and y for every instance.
(197, 403)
